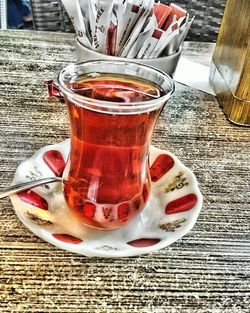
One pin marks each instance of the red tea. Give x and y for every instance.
(107, 179)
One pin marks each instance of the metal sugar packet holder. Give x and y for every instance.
(167, 64)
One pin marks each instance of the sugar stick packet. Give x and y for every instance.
(184, 30)
(149, 45)
(176, 10)
(75, 14)
(161, 12)
(165, 40)
(151, 25)
(84, 6)
(131, 14)
(118, 12)
(92, 8)
(112, 35)
(146, 11)
(170, 47)
(102, 23)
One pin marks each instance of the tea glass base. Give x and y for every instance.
(174, 205)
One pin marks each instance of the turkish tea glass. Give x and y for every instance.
(106, 181)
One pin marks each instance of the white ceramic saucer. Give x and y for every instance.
(173, 208)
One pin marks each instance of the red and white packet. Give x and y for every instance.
(161, 12)
(132, 12)
(176, 11)
(102, 23)
(92, 8)
(146, 12)
(75, 14)
(111, 35)
(169, 46)
(84, 5)
(149, 45)
(143, 36)
(117, 15)
(167, 38)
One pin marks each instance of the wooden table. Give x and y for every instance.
(206, 271)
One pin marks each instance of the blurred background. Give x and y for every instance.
(16, 14)
(49, 15)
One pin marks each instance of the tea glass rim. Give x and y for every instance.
(113, 106)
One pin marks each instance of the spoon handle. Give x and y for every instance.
(27, 185)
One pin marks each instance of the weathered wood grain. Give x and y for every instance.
(206, 271)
